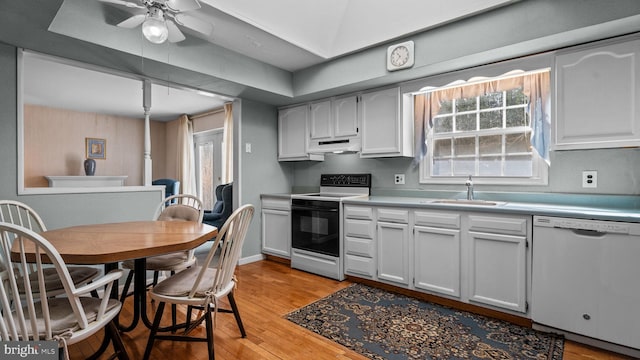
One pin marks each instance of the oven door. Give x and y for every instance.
(315, 226)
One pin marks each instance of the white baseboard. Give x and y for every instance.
(250, 259)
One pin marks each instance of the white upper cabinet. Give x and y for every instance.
(320, 122)
(334, 125)
(385, 132)
(597, 97)
(292, 134)
(345, 116)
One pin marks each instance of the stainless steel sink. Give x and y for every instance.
(468, 202)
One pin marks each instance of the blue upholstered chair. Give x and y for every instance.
(171, 186)
(223, 207)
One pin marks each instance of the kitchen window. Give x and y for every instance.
(496, 130)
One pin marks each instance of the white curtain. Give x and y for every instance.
(185, 156)
(227, 172)
(535, 85)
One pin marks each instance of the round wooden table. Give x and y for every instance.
(112, 243)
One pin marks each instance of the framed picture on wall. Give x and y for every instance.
(96, 148)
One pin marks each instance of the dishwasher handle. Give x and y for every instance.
(590, 233)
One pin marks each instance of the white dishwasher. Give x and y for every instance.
(586, 278)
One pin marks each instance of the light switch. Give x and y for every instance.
(247, 147)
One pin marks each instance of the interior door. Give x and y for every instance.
(208, 161)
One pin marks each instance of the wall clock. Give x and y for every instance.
(400, 56)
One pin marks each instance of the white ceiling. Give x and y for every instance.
(332, 28)
(288, 34)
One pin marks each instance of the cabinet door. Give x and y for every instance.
(437, 260)
(320, 123)
(381, 125)
(276, 232)
(292, 133)
(497, 270)
(597, 97)
(393, 252)
(345, 116)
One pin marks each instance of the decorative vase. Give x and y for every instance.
(89, 167)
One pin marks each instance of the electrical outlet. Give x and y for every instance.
(399, 179)
(589, 179)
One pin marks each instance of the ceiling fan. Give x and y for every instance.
(160, 19)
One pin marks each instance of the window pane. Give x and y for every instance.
(490, 166)
(491, 119)
(490, 145)
(205, 153)
(516, 97)
(466, 104)
(465, 146)
(517, 117)
(443, 124)
(441, 147)
(492, 100)
(446, 107)
(464, 167)
(441, 167)
(517, 143)
(466, 122)
(519, 166)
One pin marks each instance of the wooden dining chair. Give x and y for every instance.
(15, 212)
(202, 286)
(32, 315)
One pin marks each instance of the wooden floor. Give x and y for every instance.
(268, 290)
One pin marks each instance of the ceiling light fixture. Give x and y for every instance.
(154, 27)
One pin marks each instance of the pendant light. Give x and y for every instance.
(154, 27)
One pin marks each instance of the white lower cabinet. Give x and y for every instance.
(276, 227)
(498, 260)
(472, 257)
(437, 260)
(359, 244)
(497, 266)
(393, 247)
(437, 252)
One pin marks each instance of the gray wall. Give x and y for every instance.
(259, 172)
(618, 173)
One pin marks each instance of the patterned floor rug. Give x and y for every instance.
(382, 325)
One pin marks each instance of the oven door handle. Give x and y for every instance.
(298, 207)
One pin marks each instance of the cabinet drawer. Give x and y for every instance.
(359, 228)
(358, 212)
(360, 247)
(437, 219)
(276, 203)
(360, 266)
(393, 215)
(498, 225)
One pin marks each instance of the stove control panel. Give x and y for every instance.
(346, 180)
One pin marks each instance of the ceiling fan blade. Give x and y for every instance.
(175, 35)
(182, 5)
(124, 3)
(133, 21)
(194, 24)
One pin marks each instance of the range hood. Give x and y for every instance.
(338, 146)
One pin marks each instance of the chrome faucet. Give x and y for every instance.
(469, 184)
